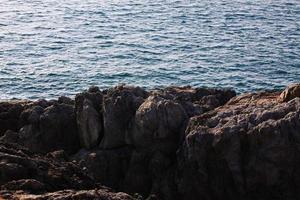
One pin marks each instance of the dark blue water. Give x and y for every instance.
(55, 47)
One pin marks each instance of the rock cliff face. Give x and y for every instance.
(172, 143)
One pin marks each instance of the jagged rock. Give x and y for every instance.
(25, 184)
(196, 101)
(106, 166)
(247, 149)
(157, 125)
(9, 115)
(49, 129)
(97, 194)
(65, 100)
(119, 107)
(291, 92)
(10, 137)
(88, 108)
(156, 132)
(21, 169)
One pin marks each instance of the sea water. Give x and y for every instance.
(50, 48)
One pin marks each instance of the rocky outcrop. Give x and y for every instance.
(106, 166)
(88, 108)
(175, 143)
(247, 149)
(24, 175)
(22, 169)
(50, 129)
(119, 107)
(196, 101)
(157, 129)
(10, 115)
(291, 92)
(157, 125)
(100, 194)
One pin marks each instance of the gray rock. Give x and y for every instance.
(291, 92)
(88, 108)
(119, 107)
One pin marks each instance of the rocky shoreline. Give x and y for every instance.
(178, 143)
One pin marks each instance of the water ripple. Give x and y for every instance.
(50, 48)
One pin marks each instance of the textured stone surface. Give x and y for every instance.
(179, 143)
(88, 109)
(96, 194)
(290, 92)
(20, 169)
(50, 129)
(119, 107)
(247, 149)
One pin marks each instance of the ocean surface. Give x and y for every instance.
(50, 48)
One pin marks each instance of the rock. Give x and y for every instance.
(119, 107)
(291, 92)
(105, 166)
(65, 100)
(20, 169)
(157, 125)
(10, 137)
(50, 129)
(196, 101)
(246, 149)
(157, 129)
(25, 184)
(9, 115)
(88, 108)
(175, 143)
(100, 194)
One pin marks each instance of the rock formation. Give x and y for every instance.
(119, 107)
(88, 108)
(174, 143)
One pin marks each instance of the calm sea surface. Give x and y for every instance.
(56, 47)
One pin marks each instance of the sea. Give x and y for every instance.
(50, 48)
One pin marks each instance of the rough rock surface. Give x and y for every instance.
(247, 149)
(179, 143)
(88, 108)
(94, 194)
(291, 92)
(106, 166)
(10, 115)
(119, 107)
(196, 101)
(24, 175)
(21, 169)
(50, 129)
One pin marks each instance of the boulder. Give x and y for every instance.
(119, 107)
(157, 125)
(49, 129)
(105, 166)
(10, 115)
(88, 109)
(291, 92)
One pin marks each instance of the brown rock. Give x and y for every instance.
(10, 115)
(88, 108)
(119, 107)
(291, 92)
(20, 169)
(157, 125)
(96, 194)
(50, 129)
(247, 149)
